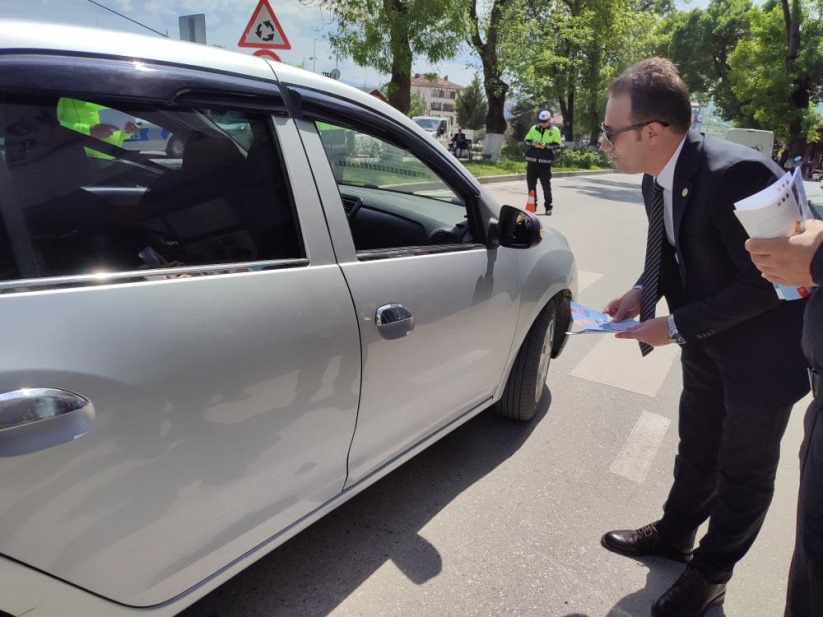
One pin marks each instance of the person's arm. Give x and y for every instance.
(747, 294)
(530, 136)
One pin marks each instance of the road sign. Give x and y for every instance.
(263, 30)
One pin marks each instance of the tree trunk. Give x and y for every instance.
(493, 84)
(399, 91)
(801, 95)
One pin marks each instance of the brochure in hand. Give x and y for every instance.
(594, 322)
(778, 210)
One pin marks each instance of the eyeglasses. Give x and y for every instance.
(608, 135)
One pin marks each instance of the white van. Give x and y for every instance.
(762, 141)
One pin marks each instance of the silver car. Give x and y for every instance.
(202, 356)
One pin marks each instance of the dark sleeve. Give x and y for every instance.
(816, 267)
(748, 294)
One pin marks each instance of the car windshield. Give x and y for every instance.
(430, 124)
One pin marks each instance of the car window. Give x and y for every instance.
(392, 198)
(89, 203)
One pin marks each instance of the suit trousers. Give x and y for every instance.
(725, 467)
(542, 172)
(805, 594)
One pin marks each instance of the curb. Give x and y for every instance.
(555, 174)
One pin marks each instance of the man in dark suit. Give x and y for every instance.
(798, 261)
(743, 368)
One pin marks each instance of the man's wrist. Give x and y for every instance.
(674, 335)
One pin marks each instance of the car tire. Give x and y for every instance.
(174, 149)
(524, 389)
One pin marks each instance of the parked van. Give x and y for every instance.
(440, 127)
(762, 141)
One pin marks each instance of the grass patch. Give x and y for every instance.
(508, 166)
(501, 167)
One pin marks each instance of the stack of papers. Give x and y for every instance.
(593, 321)
(777, 211)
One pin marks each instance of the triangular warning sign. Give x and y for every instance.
(263, 30)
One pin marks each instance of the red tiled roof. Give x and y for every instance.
(421, 82)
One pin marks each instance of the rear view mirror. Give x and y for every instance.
(518, 229)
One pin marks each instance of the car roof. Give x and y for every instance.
(22, 35)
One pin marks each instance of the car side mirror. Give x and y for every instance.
(517, 229)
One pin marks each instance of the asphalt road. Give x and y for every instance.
(502, 519)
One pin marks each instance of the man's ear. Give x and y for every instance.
(655, 131)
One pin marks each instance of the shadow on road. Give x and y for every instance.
(615, 190)
(660, 576)
(316, 570)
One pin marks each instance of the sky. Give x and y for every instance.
(305, 27)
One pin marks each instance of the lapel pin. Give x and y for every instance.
(685, 192)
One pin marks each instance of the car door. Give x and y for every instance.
(181, 362)
(437, 308)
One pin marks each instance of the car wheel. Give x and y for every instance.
(524, 388)
(174, 149)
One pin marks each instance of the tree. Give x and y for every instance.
(777, 71)
(388, 34)
(471, 106)
(567, 50)
(493, 83)
(417, 107)
(702, 42)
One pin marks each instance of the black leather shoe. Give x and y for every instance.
(646, 541)
(690, 596)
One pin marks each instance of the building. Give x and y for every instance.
(438, 96)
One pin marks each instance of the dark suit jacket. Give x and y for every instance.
(719, 299)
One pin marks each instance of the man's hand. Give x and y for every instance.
(102, 131)
(654, 332)
(626, 306)
(786, 260)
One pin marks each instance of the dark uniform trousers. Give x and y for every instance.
(542, 172)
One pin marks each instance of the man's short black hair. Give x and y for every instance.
(657, 92)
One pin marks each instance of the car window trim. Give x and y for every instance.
(65, 74)
(30, 284)
(417, 251)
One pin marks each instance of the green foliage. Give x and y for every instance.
(759, 78)
(524, 116)
(418, 107)
(584, 158)
(564, 158)
(702, 42)
(472, 106)
(387, 36)
(513, 150)
(567, 51)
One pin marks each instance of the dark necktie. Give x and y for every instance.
(651, 269)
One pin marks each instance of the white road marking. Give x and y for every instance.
(618, 363)
(585, 279)
(640, 448)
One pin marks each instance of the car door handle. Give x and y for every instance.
(394, 321)
(38, 418)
